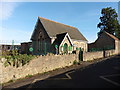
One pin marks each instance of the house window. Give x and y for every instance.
(70, 48)
(39, 45)
(65, 48)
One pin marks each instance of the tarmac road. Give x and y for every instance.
(104, 74)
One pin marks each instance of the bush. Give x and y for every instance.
(16, 60)
(28, 76)
(75, 62)
(5, 52)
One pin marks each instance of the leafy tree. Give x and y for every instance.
(117, 32)
(109, 22)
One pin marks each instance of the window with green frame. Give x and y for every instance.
(77, 48)
(70, 48)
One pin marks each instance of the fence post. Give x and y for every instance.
(12, 44)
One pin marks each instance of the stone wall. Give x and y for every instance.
(47, 63)
(117, 46)
(92, 55)
(109, 53)
(37, 65)
(88, 56)
(80, 44)
(39, 38)
(1, 73)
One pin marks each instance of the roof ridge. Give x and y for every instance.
(57, 22)
(62, 33)
(111, 35)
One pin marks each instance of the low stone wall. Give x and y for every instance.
(47, 63)
(92, 55)
(88, 56)
(109, 53)
(37, 65)
(117, 46)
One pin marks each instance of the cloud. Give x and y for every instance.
(6, 10)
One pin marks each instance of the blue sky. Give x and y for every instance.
(18, 19)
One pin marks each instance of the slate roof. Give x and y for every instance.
(53, 28)
(112, 36)
(59, 39)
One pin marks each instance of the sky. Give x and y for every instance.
(18, 19)
(119, 11)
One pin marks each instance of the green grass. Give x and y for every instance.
(28, 76)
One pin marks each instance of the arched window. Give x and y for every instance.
(65, 48)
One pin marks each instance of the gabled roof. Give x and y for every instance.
(69, 39)
(60, 38)
(112, 36)
(53, 28)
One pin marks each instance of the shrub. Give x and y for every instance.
(75, 62)
(16, 59)
(28, 76)
(5, 52)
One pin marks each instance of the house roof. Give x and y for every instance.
(112, 36)
(53, 28)
(60, 38)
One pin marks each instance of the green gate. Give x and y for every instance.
(81, 55)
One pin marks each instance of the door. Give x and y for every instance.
(81, 55)
(65, 48)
